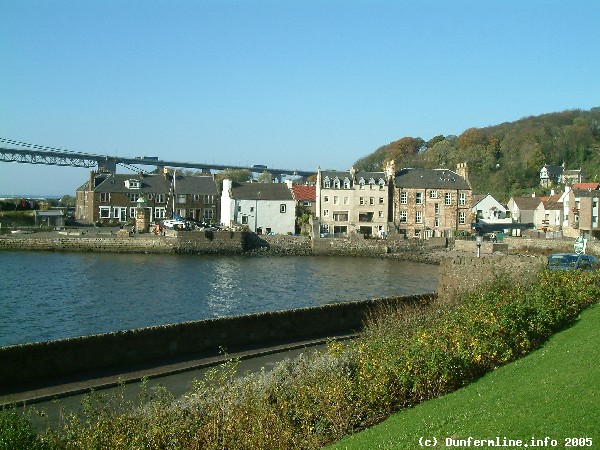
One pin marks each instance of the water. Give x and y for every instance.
(48, 296)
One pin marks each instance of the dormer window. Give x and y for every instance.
(346, 183)
(326, 183)
(336, 183)
(361, 182)
(132, 184)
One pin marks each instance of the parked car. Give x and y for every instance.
(573, 261)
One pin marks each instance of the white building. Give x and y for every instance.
(265, 208)
(489, 210)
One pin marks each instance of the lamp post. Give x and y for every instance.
(478, 240)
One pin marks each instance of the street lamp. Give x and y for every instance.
(478, 240)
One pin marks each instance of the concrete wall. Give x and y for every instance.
(21, 364)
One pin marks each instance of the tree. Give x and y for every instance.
(265, 177)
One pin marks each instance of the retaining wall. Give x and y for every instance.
(20, 364)
(463, 273)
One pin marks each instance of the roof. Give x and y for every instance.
(332, 174)
(586, 193)
(430, 179)
(261, 191)
(586, 186)
(553, 170)
(527, 203)
(552, 205)
(304, 193)
(156, 183)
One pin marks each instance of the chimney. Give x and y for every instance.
(92, 180)
(463, 171)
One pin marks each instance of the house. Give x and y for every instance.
(432, 202)
(584, 213)
(548, 215)
(109, 197)
(487, 209)
(555, 175)
(264, 208)
(353, 202)
(306, 205)
(522, 209)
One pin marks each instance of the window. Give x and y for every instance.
(132, 213)
(244, 220)
(209, 199)
(346, 183)
(160, 213)
(371, 200)
(340, 216)
(134, 197)
(448, 198)
(346, 200)
(418, 217)
(403, 216)
(282, 208)
(336, 183)
(436, 208)
(433, 194)
(196, 197)
(208, 214)
(362, 201)
(326, 183)
(361, 182)
(462, 217)
(132, 184)
(105, 197)
(436, 222)
(326, 199)
(403, 198)
(462, 199)
(105, 212)
(325, 213)
(181, 198)
(336, 200)
(381, 201)
(418, 198)
(418, 233)
(381, 214)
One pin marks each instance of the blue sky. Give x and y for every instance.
(290, 84)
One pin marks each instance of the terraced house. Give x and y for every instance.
(108, 197)
(432, 202)
(353, 202)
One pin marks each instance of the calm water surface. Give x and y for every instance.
(48, 296)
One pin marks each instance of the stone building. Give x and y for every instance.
(584, 212)
(353, 202)
(432, 202)
(108, 197)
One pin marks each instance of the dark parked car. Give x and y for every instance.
(572, 261)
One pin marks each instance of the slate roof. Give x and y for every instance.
(430, 179)
(304, 193)
(586, 193)
(261, 191)
(527, 203)
(155, 183)
(358, 175)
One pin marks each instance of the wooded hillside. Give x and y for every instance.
(505, 159)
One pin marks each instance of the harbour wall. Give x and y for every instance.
(40, 362)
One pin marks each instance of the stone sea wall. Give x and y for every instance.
(29, 363)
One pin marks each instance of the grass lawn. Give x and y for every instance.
(553, 392)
